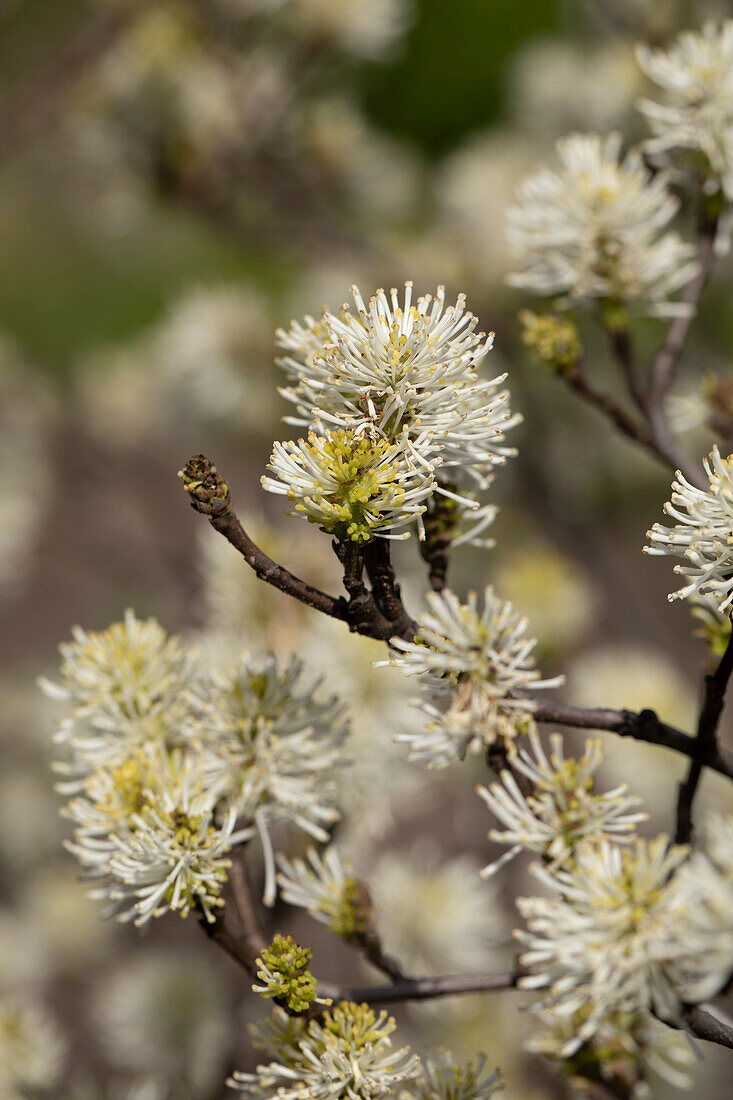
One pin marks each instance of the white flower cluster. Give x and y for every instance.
(397, 412)
(593, 230)
(627, 1049)
(349, 1054)
(563, 807)
(170, 766)
(327, 889)
(472, 660)
(696, 116)
(703, 534)
(627, 930)
(31, 1050)
(707, 882)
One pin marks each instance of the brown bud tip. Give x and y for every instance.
(208, 491)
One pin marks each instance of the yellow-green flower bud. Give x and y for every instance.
(285, 974)
(552, 340)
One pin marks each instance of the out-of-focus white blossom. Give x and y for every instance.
(276, 749)
(696, 114)
(593, 230)
(705, 884)
(165, 1014)
(376, 172)
(563, 807)
(433, 913)
(610, 936)
(197, 367)
(703, 536)
(381, 781)
(327, 889)
(627, 1047)
(443, 1078)
(366, 28)
(347, 1053)
(471, 660)
(125, 685)
(31, 1049)
(687, 410)
(352, 486)
(560, 593)
(559, 86)
(475, 186)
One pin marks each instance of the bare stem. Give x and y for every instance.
(420, 989)
(238, 927)
(378, 613)
(705, 742)
(665, 363)
(641, 726)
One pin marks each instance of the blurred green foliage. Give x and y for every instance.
(449, 79)
(63, 289)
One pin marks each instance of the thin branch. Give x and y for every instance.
(370, 945)
(667, 358)
(661, 441)
(421, 989)
(435, 546)
(37, 105)
(641, 726)
(623, 349)
(611, 409)
(709, 1022)
(365, 612)
(386, 590)
(209, 495)
(716, 684)
(238, 926)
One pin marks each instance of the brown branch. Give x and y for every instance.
(209, 495)
(709, 1022)
(377, 614)
(435, 546)
(705, 741)
(611, 409)
(420, 989)
(623, 349)
(659, 439)
(386, 590)
(371, 946)
(238, 926)
(641, 726)
(667, 358)
(37, 105)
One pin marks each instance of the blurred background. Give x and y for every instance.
(177, 179)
